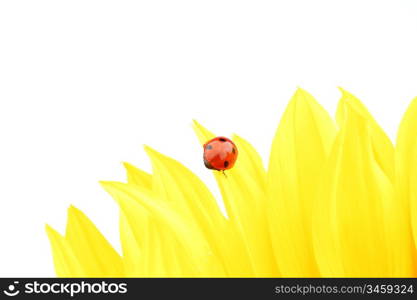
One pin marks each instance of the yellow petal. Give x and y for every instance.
(381, 144)
(243, 192)
(299, 150)
(137, 176)
(92, 250)
(356, 220)
(184, 250)
(65, 262)
(203, 134)
(335, 202)
(413, 209)
(395, 208)
(141, 241)
(133, 263)
(177, 185)
(406, 170)
(405, 151)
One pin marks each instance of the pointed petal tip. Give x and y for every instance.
(72, 207)
(110, 184)
(149, 149)
(346, 95)
(51, 232)
(48, 228)
(72, 211)
(203, 134)
(128, 166)
(151, 152)
(195, 125)
(350, 100)
(342, 90)
(302, 97)
(146, 147)
(104, 182)
(300, 90)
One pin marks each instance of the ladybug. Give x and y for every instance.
(220, 154)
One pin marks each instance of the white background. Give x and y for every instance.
(84, 84)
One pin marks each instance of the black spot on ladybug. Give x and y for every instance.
(208, 165)
(226, 164)
(222, 139)
(209, 147)
(233, 150)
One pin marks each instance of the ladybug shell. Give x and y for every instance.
(220, 154)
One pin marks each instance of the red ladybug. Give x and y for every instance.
(220, 154)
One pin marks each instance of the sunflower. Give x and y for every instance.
(337, 200)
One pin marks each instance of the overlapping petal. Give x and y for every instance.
(357, 217)
(65, 262)
(299, 150)
(183, 249)
(336, 200)
(243, 192)
(406, 170)
(83, 252)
